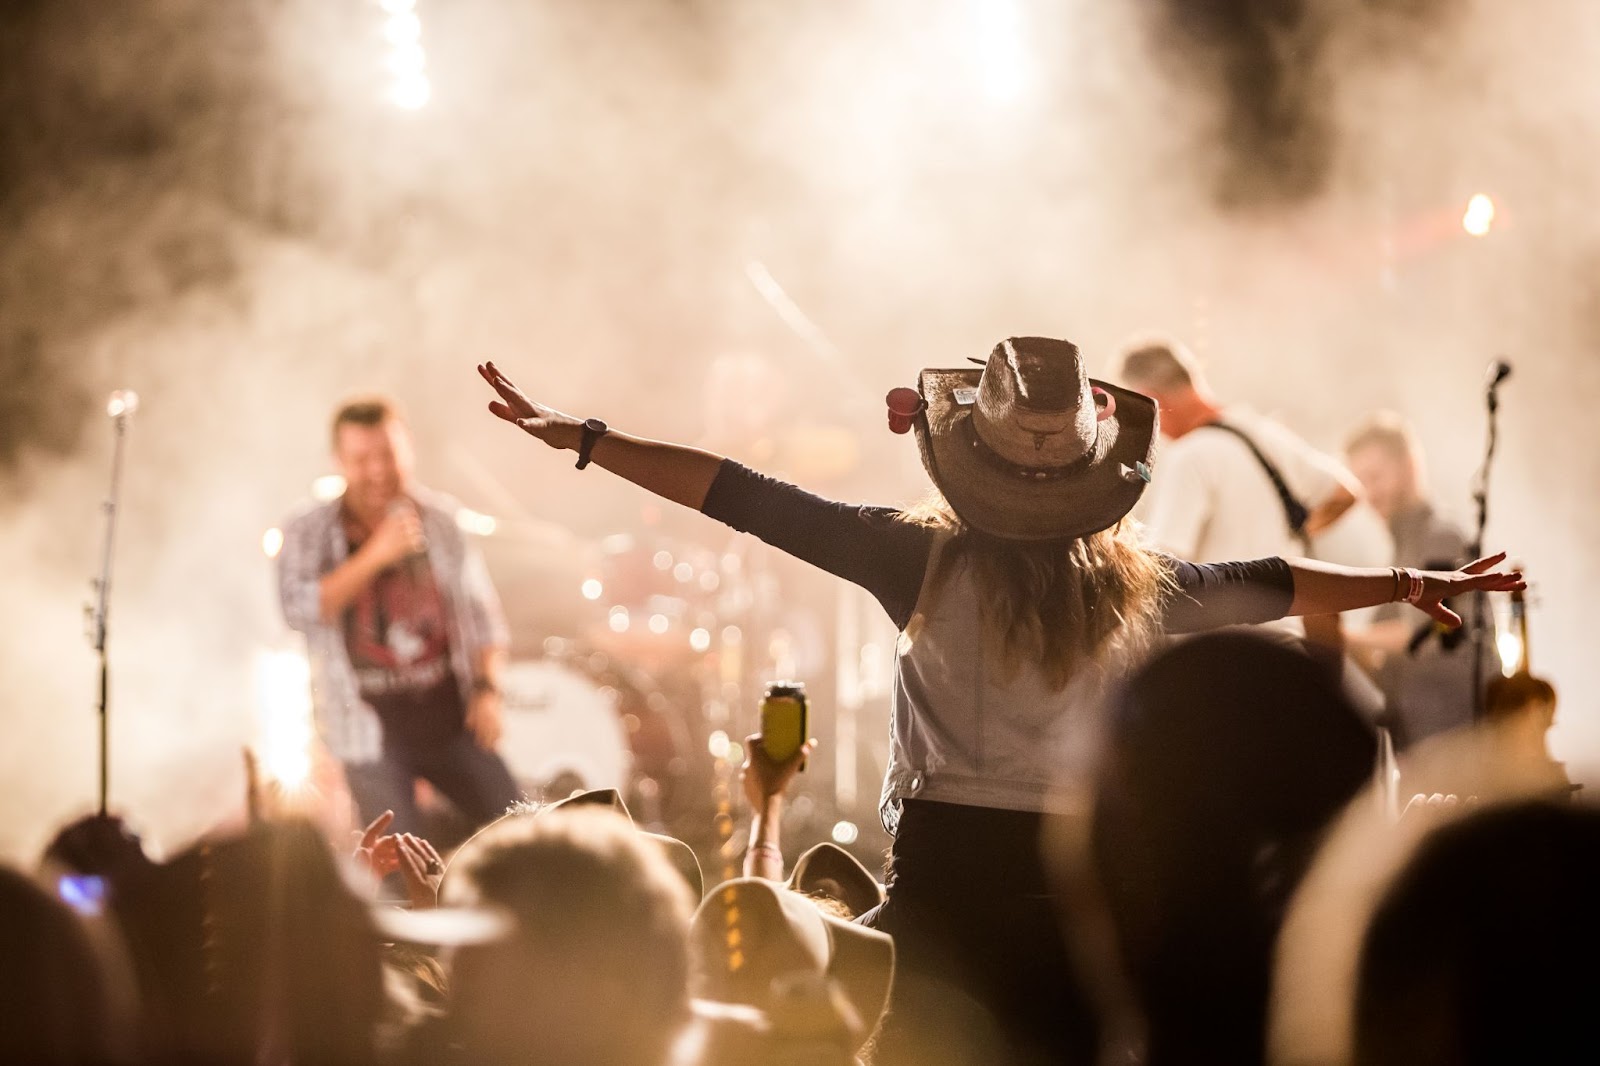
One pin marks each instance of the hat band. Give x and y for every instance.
(1016, 470)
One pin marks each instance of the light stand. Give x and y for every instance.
(120, 407)
(1480, 601)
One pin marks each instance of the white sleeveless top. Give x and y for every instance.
(961, 733)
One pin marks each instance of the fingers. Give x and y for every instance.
(1443, 615)
(1478, 566)
(375, 828)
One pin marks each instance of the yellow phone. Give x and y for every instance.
(785, 720)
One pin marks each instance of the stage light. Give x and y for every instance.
(709, 581)
(662, 560)
(1479, 215)
(122, 402)
(272, 542)
(1509, 645)
(618, 619)
(402, 28)
(470, 521)
(284, 725)
(408, 61)
(412, 93)
(997, 47)
(328, 487)
(718, 744)
(658, 624)
(845, 833)
(700, 639)
(683, 572)
(592, 589)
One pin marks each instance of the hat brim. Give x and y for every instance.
(828, 869)
(994, 497)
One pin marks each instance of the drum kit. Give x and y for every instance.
(627, 664)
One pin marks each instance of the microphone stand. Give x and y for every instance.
(120, 408)
(1480, 496)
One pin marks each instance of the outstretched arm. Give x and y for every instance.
(1325, 588)
(671, 471)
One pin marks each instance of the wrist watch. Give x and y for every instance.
(593, 430)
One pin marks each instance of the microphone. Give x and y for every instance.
(122, 403)
(1499, 372)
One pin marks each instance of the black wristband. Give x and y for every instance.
(593, 430)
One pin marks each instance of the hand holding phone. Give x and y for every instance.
(785, 720)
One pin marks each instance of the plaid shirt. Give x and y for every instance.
(313, 544)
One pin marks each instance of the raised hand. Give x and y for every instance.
(762, 777)
(549, 425)
(1477, 576)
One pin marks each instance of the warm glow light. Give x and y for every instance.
(700, 639)
(1479, 215)
(845, 833)
(996, 45)
(592, 589)
(718, 744)
(397, 7)
(403, 28)
(412, 93)
(1509, 644)
(618, 620)
(662, 560)
(658, 624)
(408, 60)
(283, 718)
(122, 402)
(272, 542)
(469, 521)
(328, 487)
(683, 572)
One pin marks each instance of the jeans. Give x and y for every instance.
(476, 781)
(983, 975)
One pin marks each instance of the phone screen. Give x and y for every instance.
(84, 894)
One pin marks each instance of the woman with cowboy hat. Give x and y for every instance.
(1020, 589)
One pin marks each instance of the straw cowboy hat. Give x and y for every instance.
(749, 936)
(1028, 447)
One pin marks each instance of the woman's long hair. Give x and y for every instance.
(1059, 605)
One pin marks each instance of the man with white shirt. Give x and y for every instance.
(1233, 484)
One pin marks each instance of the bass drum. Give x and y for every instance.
(582, 720)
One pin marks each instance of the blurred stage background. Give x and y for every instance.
(737, 225)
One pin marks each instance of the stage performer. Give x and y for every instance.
(1020, 591)
(403, 628)
(1232, 479)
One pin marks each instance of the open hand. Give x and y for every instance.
(546, 423)
(1478, 576)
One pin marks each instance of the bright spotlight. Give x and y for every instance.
(402, 28)
(996, 45)
(718, 744)
(618, 619)
(284, 725)
(122, 402)
(412, 93)
(272, 542)
(845, 833)
(700, 639)
(408, 61)
(328, 487)
(1479, 215)
(1509, 645)
(470, 521)
(592, 589)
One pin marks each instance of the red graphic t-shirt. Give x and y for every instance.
(397, 637)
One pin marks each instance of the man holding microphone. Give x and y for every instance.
(404, 631)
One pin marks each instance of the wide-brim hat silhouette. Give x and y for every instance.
(1028, 447)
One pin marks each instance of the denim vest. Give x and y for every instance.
(961, 732)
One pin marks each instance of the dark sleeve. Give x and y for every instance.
(1211, 595)
(874, 547)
